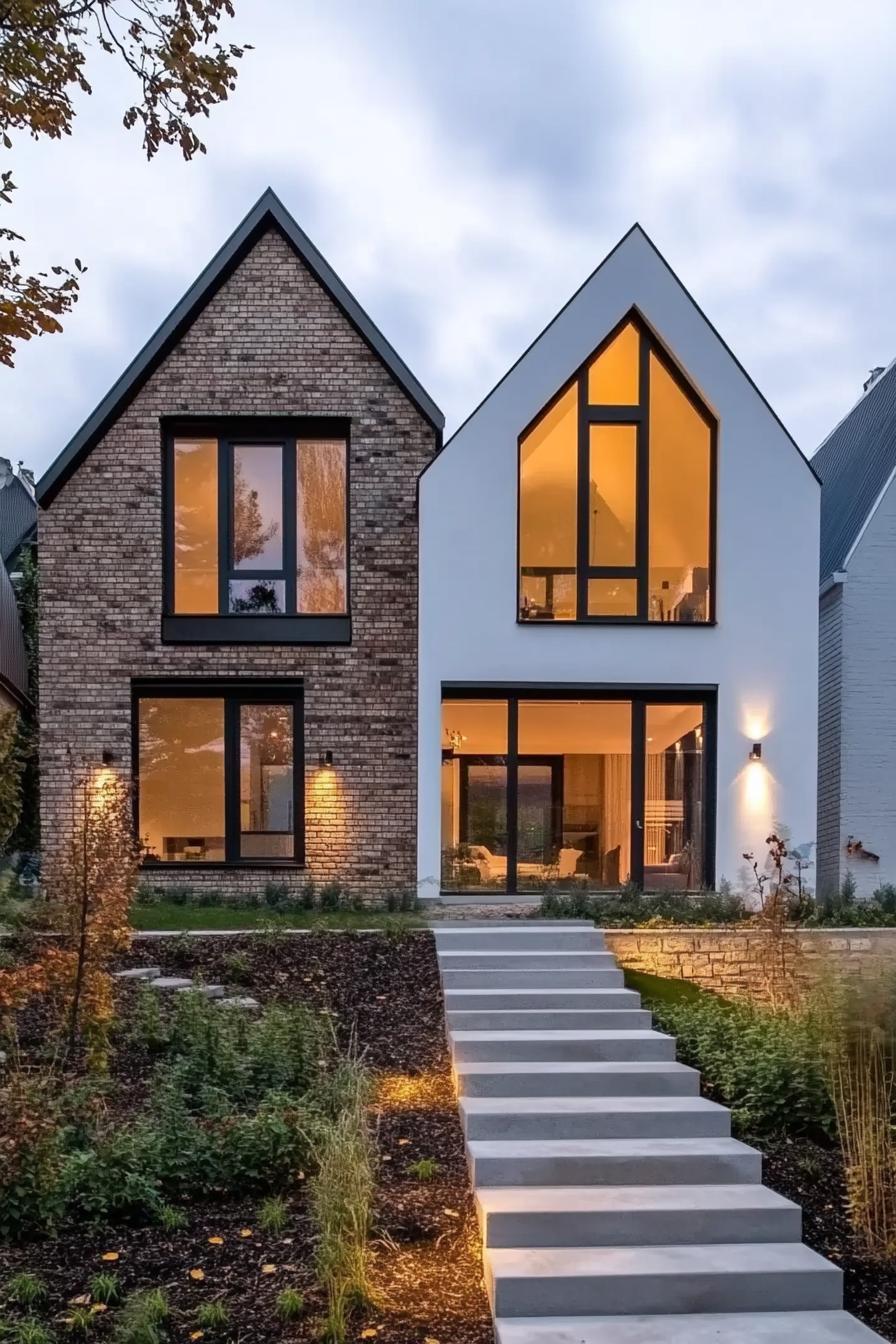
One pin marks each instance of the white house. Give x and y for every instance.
(618, 608)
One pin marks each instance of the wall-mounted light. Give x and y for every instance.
(325, 760)
(109, 757)
(756, 751)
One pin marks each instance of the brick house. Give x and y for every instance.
(229, 583)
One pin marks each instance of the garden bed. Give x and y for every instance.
(381, 993)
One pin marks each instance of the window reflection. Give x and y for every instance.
(474, 794)
(673, 801)
(257, 518)
(266, 782)
(196, 526)
(321, 549)
(181, 773)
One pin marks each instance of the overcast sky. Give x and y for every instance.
(464, 164)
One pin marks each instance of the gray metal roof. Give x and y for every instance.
(18, 514)
(268, 212)
(855, 462)
(13, 660)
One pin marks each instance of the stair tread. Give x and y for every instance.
(621, 1198)
(587, 1104)
(524, 1066)
(760, 1327)
(761, 1257)
(567, 1034)
(554, 989)
(510, 1148)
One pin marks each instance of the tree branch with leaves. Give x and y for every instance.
(171, 48)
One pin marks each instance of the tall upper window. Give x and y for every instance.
(257, 527)
(616, 493)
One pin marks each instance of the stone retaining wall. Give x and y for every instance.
(746, 963)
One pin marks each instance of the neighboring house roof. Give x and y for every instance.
(18, 514)
(636, 232)
(268, 212)
(856, 463)
(13, 659)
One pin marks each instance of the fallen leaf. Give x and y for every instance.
(197, 1274)
(429, 1340)
(197, 1334)
(245, 1231)
(368, 1333)
(269, 1269)
(83, 1300)
(402, 1142)
(109, 1255)
(216, 1241)
(452, 1213)
(300, 1175)
(98, 1307)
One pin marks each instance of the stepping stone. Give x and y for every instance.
(164, 983)
(505, 1046)
(207, 991)
(755, 1327)
(635, 1215)
(782, 1276)
(138, 973)
(613, 1162)
(549, 1019)
(563, 1078)
(593, 1118)
(244, 1001)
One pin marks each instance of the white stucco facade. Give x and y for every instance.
(762, 652)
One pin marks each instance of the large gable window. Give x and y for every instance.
(256, 519)
(616, 502)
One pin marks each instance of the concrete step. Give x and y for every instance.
(752, 1327)
(207, 991)
(523, 978)
(550, 1019)
(437, 925)
(165, 983)
(634, 1215)
(482, 1000)
(560, 1045)
(580, 1078)
(593, 1118)
(613, 1162)
(138, 973)
(519, 937)
(517, 959)
(772, 1276)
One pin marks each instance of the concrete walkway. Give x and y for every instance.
(615, 1207)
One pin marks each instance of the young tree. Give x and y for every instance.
(170, 47)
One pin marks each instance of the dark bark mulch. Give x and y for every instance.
(383, 992)
(812, 1175)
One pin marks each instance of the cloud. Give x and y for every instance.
(465, 166)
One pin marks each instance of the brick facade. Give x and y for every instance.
(270, 342)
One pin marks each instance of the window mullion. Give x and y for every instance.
(583, 500)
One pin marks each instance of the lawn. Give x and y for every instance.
(166, 915)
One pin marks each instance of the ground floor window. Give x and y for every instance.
(576, 792)
(218, 773)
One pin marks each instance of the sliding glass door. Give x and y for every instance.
(576, 792)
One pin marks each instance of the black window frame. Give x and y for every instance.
(637, 415)
(234, 693)
(224, 626)
(640, 696)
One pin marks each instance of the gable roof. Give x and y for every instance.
(856, 463)
(636, 232)
(13, 659)
(268, 212)
(18, 514)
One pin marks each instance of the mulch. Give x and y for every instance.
(381, 992)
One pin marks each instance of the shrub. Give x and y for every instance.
(212, 1316)
(31, 1158)
(308, 895)
(331, 897)
(236, 968)
(272, 1214)
(632, 907)
(142, 1319)
(276, 895)
(178, 894)
(114, 1178)
(25, 1290)
(767, 1066)
(290, 1304)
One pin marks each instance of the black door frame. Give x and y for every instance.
(639, 697)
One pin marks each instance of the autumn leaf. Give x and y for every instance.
(368, 1333)
(245, 1231)
(403, 1142)
(98, 1307)
(451, 1213)
(197, 1334)
(83, 1300)
(216, 1241)
(269, 1269)
(110, 1255)
(429, 1340)
(197, 1274)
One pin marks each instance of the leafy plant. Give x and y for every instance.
(171, 1219)
(290, 1304)
(212, 1316)
(142, 1318)
(105, 1288)
(25, 1290)
(272, 1214)
(30, 1331)
(425, 1169)
(236, 968)
(79, 1321)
